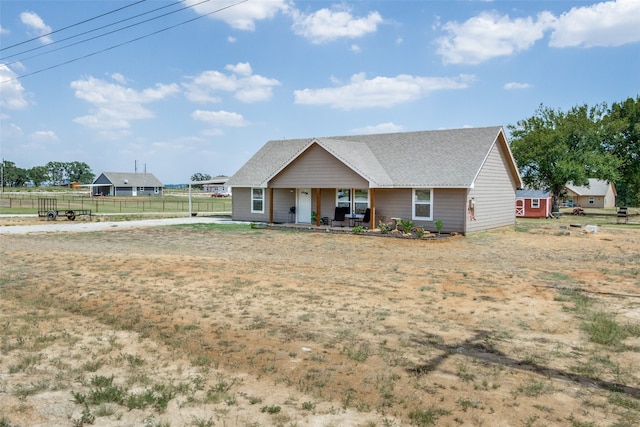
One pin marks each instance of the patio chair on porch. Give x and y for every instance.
(366, 219)
(339, 215)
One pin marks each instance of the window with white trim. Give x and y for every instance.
(355, 199)
(592, 200)
(360, 200)
(535, 203)
(257, 200)
(344, 198)
(423, 204)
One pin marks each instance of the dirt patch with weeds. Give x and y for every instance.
(211, 325)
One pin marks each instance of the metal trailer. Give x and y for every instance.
(48, 208)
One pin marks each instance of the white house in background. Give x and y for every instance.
(596, 194)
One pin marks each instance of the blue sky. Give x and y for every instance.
(201, 90)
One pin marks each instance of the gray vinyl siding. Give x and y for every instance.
(449, 206)
(316, 168)
(241, 206)
(123, 191)
(283, 199)
(393, 203)
(328, 202)
(495, 194)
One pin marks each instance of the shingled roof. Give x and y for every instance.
(442, 158)
(123, 179)
(595, 187)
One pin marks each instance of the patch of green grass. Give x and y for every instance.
(621, 400)
(534, 388)
(272, 409)
(427, 417)
(22, 391)
(359, 352)
(602, 328)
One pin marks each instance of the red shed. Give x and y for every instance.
(533, 204)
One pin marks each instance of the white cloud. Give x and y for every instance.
(242, 16)
(119, 78)
(3, 31)
(327, 25)
(611, 23)
(36, 25)
(490, 35)
(231, 39)
(516, 85)
(388, 127)
(12, 94)
(44, 136)
(241, 68)
(11, 131)
(115, 105)
(355, 48)
(219, 118)
(245, 86)
(379, 91)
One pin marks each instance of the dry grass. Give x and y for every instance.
(183, 326)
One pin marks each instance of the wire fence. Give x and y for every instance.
(22, 202)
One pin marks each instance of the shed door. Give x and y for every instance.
(519, 207)
(303, 206)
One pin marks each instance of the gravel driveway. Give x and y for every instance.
(78, 226)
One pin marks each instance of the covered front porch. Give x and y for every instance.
(317, 206)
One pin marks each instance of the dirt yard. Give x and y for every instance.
(206, 325)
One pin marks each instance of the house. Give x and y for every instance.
(126, 184)
(467, 178)
(596, 194)
(217, 186)
(534, 203)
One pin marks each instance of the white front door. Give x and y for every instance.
(303, 206)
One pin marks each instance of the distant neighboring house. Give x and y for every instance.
(126, 184)
(597, 194)
(217, 186)
(467, 178)
(533, 203)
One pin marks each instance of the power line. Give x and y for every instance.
(73, 25)
(122, 44)
(86, 32)
(104, 34)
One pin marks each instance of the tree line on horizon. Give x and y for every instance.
(53, 173)
(552, 148)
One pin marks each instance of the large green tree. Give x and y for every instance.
(56, 172)
(38, 175)
(553, 148)
(198, 176)
(623, 121)
(79, 172)
(13, 176)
